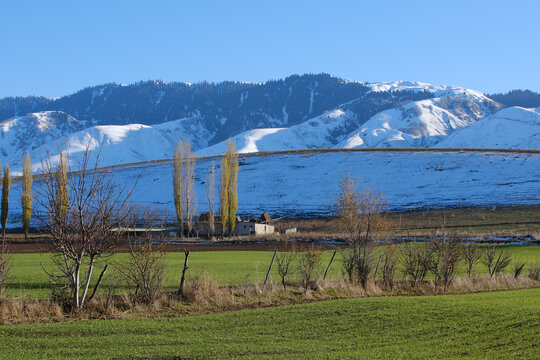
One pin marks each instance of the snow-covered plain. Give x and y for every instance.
(296, 184)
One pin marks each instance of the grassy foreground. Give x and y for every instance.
(496, 325)
(29, 281)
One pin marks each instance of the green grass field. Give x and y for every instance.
(500, 325)
(225, 267)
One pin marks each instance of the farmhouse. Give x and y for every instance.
(256, 226)
(244, 228)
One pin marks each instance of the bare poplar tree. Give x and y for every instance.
(228, 188)
(189, 199)
(224, 178)
(178, 184)
(26, 196)
(211, 197)
(62, 188)
(184, 188)
(95, 218)
(6, 184)
(233, 183)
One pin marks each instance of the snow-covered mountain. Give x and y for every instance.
(299, 112)
(424, 123)
(119, 144)
(23, 133)
(511, 128)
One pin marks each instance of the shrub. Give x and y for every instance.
(417, 260)
(471, 254)
(447, 254)
(145, 271)
(494, 261)
(534, 271)
(308, 267)
(518, 268)
(389, 265)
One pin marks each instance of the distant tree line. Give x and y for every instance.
(523, 98)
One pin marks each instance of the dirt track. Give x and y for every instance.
(40, 246)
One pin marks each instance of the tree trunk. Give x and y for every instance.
(270, 267)
(98, 282)
(76, 287)
(87, 281)
(183, 278)
(328, 267)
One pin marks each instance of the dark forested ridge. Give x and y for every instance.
(523, 98)
(228, 107)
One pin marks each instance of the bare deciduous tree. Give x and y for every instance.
(145, 269)
(178, 184)
(62, 186)
(389, 265)
(95, 218)
(184, 186)
(284, 260)
(416, 261)
(359, 211)
(447, 254)
(26, 196)
(211, 198)
(190, 200)
(228, 188)
(471, 254)
(6, 184)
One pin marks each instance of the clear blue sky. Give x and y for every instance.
(53, 48)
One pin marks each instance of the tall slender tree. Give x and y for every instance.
(211, 197)
(178, 185)
(233, 184)
(184, 187)
(6, 184)
(224, 177)
(190, 201)
(26, 197)
(62, 186)
(228, 188)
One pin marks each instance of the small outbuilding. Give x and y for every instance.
(255, 226)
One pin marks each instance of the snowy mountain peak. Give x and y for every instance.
(437, 90)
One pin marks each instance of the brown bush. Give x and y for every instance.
(534, 271)
(201, 290)
(471, 254)
(417, 259)
(309, 268)
(389, 265)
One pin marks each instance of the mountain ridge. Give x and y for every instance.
(298, 112)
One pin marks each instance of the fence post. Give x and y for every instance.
(270, 267)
